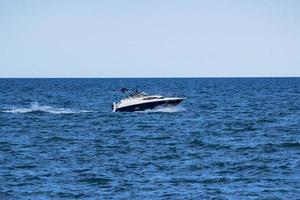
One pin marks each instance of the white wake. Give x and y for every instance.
(165, 109)
(36, 107)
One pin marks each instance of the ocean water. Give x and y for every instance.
(230, 139)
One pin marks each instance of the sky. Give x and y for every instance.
(154, 38)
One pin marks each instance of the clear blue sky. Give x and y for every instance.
(129, 38)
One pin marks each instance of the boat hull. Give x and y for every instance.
(148, 105)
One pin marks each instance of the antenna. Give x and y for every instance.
(125, 91)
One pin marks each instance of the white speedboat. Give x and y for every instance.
(140, 101)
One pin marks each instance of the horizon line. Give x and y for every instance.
(145, 77)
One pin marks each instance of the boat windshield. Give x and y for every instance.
(138, 94)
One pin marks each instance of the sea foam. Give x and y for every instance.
(36, 107)
(165, 109)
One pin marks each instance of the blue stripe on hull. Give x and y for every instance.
(147, 106)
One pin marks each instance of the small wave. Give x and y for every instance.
(35, 107)
(164, 109)
(295, 144)
(96, 181)
(275, 146)
(196, 143)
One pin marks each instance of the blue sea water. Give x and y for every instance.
(232, 138)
